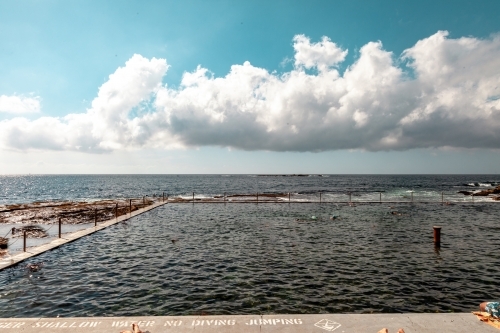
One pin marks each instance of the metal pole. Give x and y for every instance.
(319, 197)
(116, 211)
(437, 235)
(288, 196)
(24, 243)
(193, 197)
(59, 227)
(95, 217)
(163, 196)
(130, 206)
(380, 197)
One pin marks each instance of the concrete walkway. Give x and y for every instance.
(320, 323)
(67, 238)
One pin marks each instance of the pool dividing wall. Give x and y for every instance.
(68, 238)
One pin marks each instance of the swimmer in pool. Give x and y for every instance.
(493, 308)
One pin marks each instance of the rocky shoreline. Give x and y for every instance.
(70, 212)
(484, 193)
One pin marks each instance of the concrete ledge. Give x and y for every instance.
(316, 323)
(208, 201)
(67, 238)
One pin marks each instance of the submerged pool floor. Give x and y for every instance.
(184, 259)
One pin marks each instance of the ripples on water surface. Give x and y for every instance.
(184, 259)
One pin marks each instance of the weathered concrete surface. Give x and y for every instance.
(67, 238)
(318, 323)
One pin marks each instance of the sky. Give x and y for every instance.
(219, 87)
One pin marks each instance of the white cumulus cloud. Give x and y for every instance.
(107, 125)
(320, 55)
(442, 92)
(19, 104)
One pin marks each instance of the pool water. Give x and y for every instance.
(188, 259)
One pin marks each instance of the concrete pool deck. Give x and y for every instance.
(11, 260)
(315, 323)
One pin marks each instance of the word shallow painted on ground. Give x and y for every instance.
(49, 324)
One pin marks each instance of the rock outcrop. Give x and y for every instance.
(465, 192)
(483, 193)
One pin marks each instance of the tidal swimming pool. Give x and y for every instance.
(184, 259)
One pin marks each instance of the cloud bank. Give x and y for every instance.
(441, 92)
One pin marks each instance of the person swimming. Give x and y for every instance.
(493, 308)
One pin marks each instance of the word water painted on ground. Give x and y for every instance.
(208, 324)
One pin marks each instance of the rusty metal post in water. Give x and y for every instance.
(193, 197)
(116, 211)
(24, 242)
(130, 206)
(59, 227)
(163, 196)
(380, 197)
(437, 235)
(95, 217)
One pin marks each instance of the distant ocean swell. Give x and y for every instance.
(30, 188)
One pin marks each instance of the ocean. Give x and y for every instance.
(30, 188)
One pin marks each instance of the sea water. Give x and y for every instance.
(29, 188)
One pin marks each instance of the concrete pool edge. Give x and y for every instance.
(310, 323)
(12, 260)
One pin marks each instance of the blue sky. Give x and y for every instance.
(56, 56)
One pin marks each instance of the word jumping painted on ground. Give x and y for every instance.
(274, 321)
